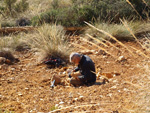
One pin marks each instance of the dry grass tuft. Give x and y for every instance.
(119, 31)
(49, 41)
(11, 43)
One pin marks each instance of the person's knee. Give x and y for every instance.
(72, 81)
(75, 82)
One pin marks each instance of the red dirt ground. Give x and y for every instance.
(25, 86)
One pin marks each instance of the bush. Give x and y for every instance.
(73, 16)
(86, 10)
(46, 17)
(141, 7)
(22, 6)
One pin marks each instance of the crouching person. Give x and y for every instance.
(84, 73)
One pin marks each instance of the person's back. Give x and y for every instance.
(87, 69)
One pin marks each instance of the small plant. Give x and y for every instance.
(53, 108)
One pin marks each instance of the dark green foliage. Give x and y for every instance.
(72, 16)
(84, 10)
(55, 4)
(22, 6)
(141, 7)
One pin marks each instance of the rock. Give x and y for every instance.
(113, 87)
(87, 52)
(57, 79)
(19, 94)
(121, 59)
(107, 74)
(61, 102)
(56, 105)
(75, 99)
(7, 55)
(12, 69)
(101, 52)
(119, 91)
(8, 62)
(81, 97)
(26, 88)
(2, 60)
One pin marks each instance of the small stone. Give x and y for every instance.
(13, 69)
(114, 81)
(101, 52)
(75, 99)
(57, 105)
(121, 59)
(101, 96)
(24, 69)
(113, 87)
(81, 97)
(19, 94)
(61, 102)
(2, 60)
(88, 52)
(26, 88)
(41, 99)
(110, 95)
(125, 89)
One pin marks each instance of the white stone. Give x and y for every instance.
(61, 102)
(75, 99)
(57, 105)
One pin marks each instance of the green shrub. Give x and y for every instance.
(22, 6)
(55, 4)
(46, 17)
(86, 10)
(141, 7)
(72, 16)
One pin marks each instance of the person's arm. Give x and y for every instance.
(75, 74)
(76, 69)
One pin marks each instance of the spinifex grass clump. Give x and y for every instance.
(50, 41)
(11, 42)
(119, 31)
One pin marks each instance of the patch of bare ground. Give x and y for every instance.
(25, 86)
